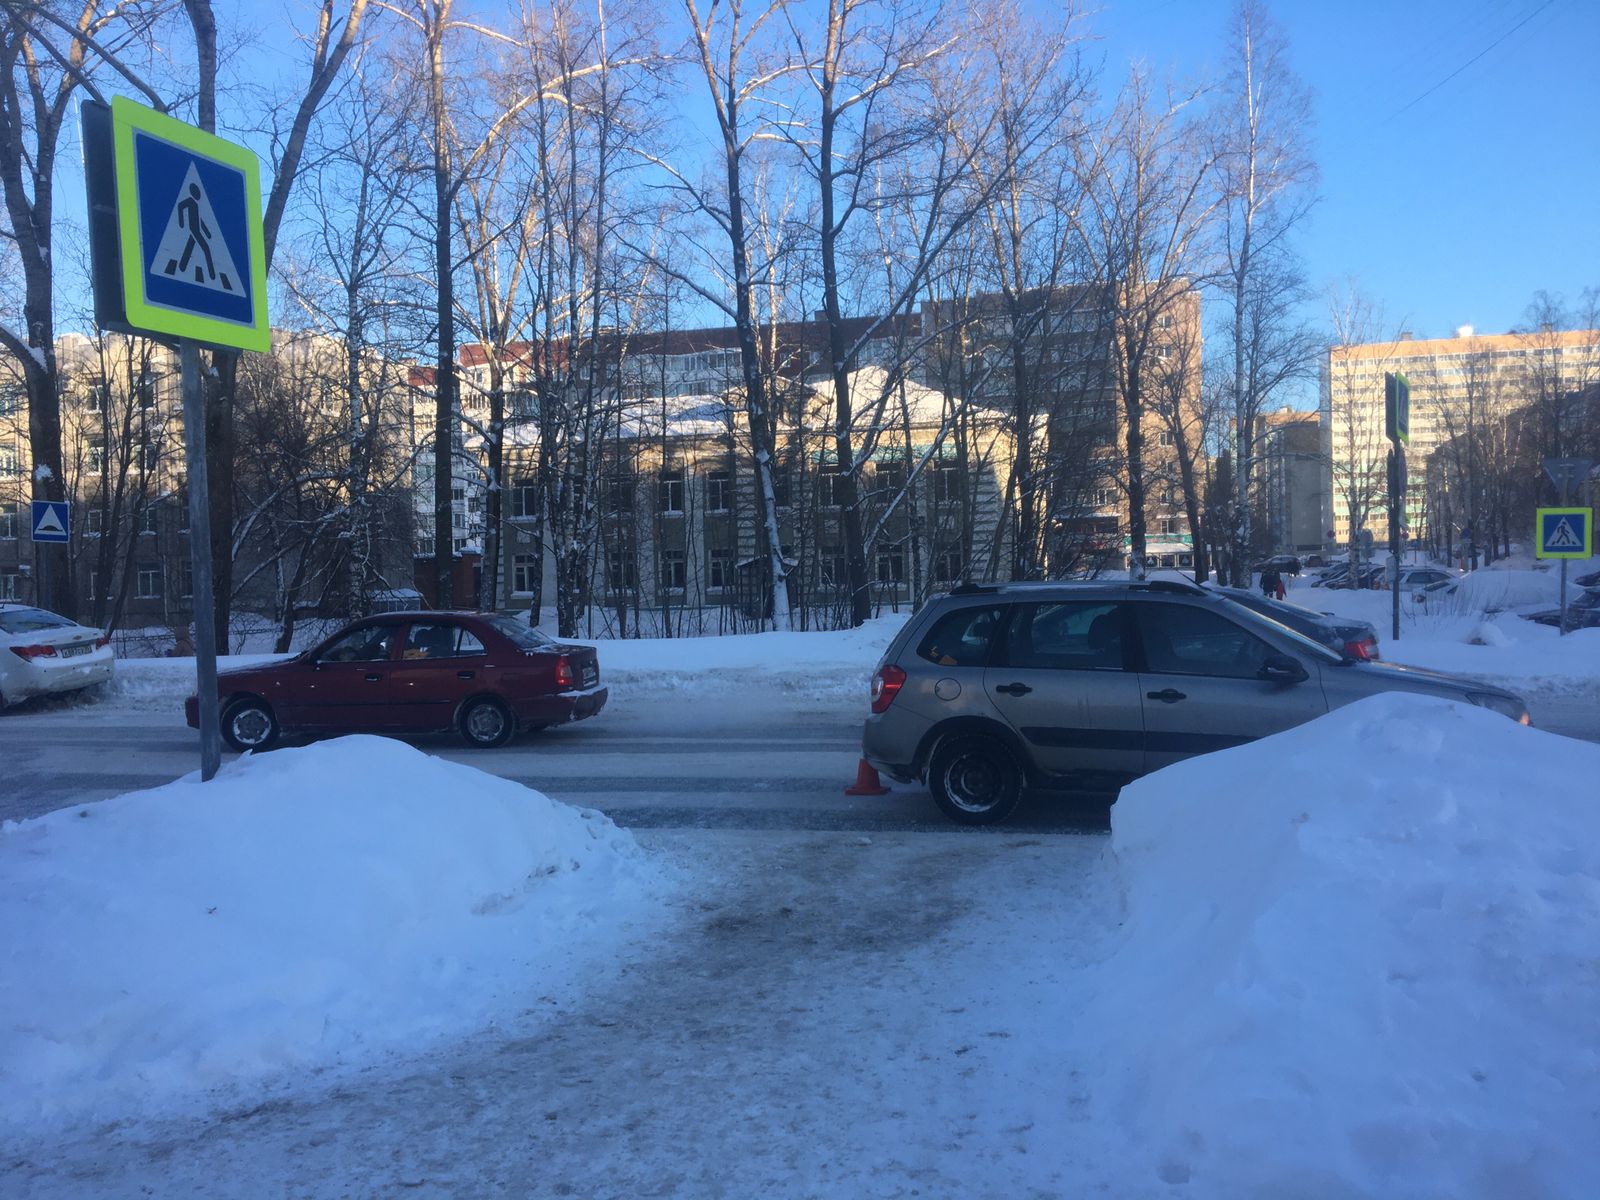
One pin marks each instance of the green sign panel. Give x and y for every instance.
(1397, 407)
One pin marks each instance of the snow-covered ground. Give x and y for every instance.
(307, 908)
(1359, 959)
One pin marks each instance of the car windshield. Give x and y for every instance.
(1317, 651)
(30, 620)
(526, 637)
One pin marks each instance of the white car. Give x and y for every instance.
(41, 652)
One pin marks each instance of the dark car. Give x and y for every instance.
(485, 676)
(1582, 613)
(1592, 579)
(1283, 564)
(1351, 638)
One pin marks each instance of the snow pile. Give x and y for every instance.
(306, 907)
(825, 665)
(1360, 960)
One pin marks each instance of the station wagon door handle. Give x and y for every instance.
(1014, 689)
(374, 678)
(463, 674)
(1168, 696)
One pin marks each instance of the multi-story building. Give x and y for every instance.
(1454, 382)
(1293, 477)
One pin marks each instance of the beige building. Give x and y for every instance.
(1453, 381)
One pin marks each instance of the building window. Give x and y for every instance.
(8, 458)
(1166, 437)
(524, 498)
(947, 566)
(892, 565)
(1170, 525)
(890, 478)
(719, 491)
(147, 519)
(474, 504)
(458, 494)
(670, 490)
(149, 583)
(185, 577)
(623, 486)
(147, 390)
(719, 570)
(622, 573)
(674, 570)
(947, 483)
(459, 520)
(11, 397)
(95, 521)
(522, 574)
(832, 570)
(8, 518)
(96, 457)
(830, 486)
(10, 586)
(95, 401)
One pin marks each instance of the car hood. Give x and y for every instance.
(1394, 675)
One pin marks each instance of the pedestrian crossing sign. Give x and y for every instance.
(192, 255)
(1566, 532)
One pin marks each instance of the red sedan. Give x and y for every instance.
(488, 677)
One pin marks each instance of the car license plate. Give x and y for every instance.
(74, 651)
(590, 677)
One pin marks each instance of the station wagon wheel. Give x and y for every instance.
(975, 780)
(249, 724)
(485, 723)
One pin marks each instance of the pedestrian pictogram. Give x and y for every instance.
(1565, 532)
(51, 521)
(191, 249)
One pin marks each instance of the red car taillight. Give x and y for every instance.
(1364, 649)
(886, 685)
(564, 673)
(101, 643)
(29, 653)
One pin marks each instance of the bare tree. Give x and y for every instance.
(1355, 442)
(1145, 217)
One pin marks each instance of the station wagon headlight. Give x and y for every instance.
(1506, 706)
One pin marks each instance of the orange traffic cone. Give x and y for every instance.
(867, 782)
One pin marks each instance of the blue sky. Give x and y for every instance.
(1450, 200)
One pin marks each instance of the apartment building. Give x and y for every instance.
(1293, 482)
(1455, 382)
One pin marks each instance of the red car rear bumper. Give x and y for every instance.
(561, 708)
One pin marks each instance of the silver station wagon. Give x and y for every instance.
(1083, 686)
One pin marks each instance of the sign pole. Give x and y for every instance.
(205, 632)
(1561, 628)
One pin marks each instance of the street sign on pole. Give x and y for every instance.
(52, 521)
(1567, 473)
(177, 254)
(1565, 533)
(1397, 407)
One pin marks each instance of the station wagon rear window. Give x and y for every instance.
(962, 638)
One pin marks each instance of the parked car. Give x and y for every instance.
(1313, 560)
(485, 676)
(1283, 564)
(1490, 590)
(1415, 579)
(1345, 635)
(1086, 685)
(1582, 613)
(1365, 576)
(42, 652)
(1592, 579)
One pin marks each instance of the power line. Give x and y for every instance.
(1474, 58)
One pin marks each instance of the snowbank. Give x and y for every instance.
(825, 665)
(307, 907)
(1361, 974)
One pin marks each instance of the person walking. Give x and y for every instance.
(1271, 583)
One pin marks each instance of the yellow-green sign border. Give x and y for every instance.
(128, 116)
(1588, 532)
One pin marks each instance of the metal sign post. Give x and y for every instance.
(1397, 419)
(177, 254)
